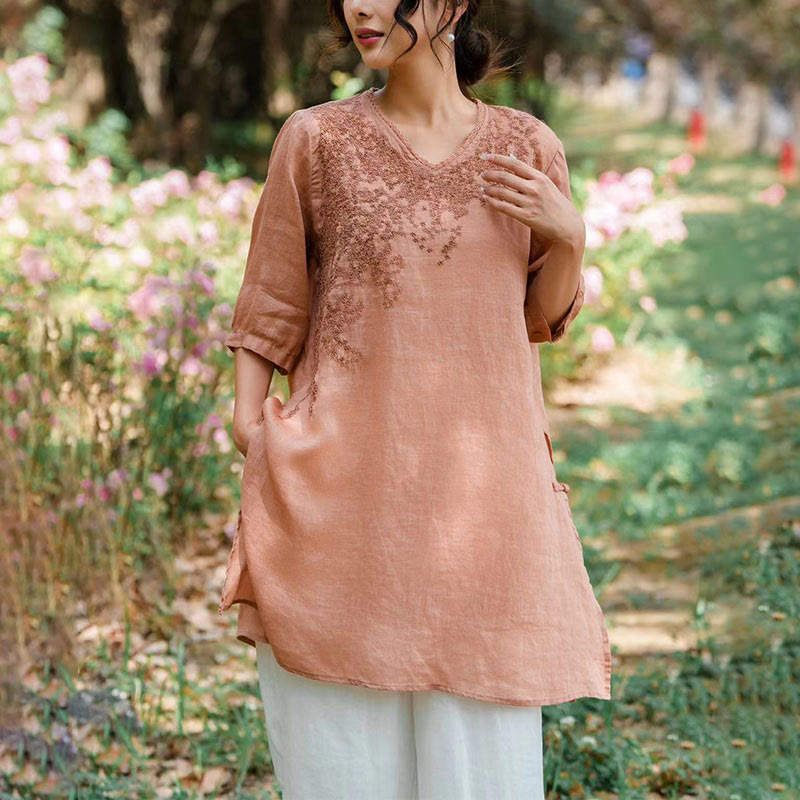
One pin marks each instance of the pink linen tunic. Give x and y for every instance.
(401, 524)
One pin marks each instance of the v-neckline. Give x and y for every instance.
(369, 95)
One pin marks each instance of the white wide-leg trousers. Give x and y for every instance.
(334, 741)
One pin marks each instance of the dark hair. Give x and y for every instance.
(478, 55)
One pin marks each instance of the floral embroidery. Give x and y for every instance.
(373, 194)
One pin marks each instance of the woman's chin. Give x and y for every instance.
(375, 60)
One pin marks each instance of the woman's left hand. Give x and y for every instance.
(530, 196)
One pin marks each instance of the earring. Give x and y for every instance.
(450, 37)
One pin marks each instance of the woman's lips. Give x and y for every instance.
(370, 38)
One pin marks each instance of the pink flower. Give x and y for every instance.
(664, 223)
(128, 234)
(648, 303)
(146, 302)
(201, 348)
(64, 200)
(231, 200)
(207, 181)
(593, 281)
(208, 232)
(137, 493)
(34, 266)
(57, 174)
(113, 258)
(9, 204)
(18, 227)
(681, 165)
(178, 227)
(140, 256)
(29, 84)
(96, 320)
(605, 217)
(45, 126)
(100, 169)
(56, 150)
(190, 366)
(116, 478)
(176, 183)
(221, 438)
(594, 238)
(159, 483)
(104, 234)
(773, 195)
(153, 362)
(609, 177)
(82, 223)
(602, 340)
(636, 280)
(204, 280)
(11, 131)
(148, 195)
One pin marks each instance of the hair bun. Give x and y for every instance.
(472, 52)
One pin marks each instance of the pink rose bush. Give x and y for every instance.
(629, 216)
(114, 382)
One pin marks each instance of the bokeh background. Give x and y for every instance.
(134, 140)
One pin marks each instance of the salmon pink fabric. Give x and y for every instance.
(401, 524)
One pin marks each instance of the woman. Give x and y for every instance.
(405, 562)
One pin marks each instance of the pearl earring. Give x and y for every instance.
(450, 37)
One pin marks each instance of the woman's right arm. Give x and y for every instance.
(253, 378)
(272, 313)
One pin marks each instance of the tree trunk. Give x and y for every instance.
(709, 75)
(84, 76)
(794, 108)
(276, 59)
(762, 114)
(147, 24)
(671, 87)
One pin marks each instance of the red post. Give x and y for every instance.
(787, 160)
(696, 132)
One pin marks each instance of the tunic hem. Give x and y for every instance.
(251, 637)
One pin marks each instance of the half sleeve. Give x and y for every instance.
(538, 328)
(271, 315)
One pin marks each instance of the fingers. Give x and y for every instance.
(512, 196)
(509, 208)
(511, 163)
(506, 179)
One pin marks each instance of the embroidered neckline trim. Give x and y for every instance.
(369, 94)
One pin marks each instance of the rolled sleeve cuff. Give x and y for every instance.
(538, 328)
(282, 357)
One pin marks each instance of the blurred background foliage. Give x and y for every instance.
(202, 78)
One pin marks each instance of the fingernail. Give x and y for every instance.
(484, 156)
